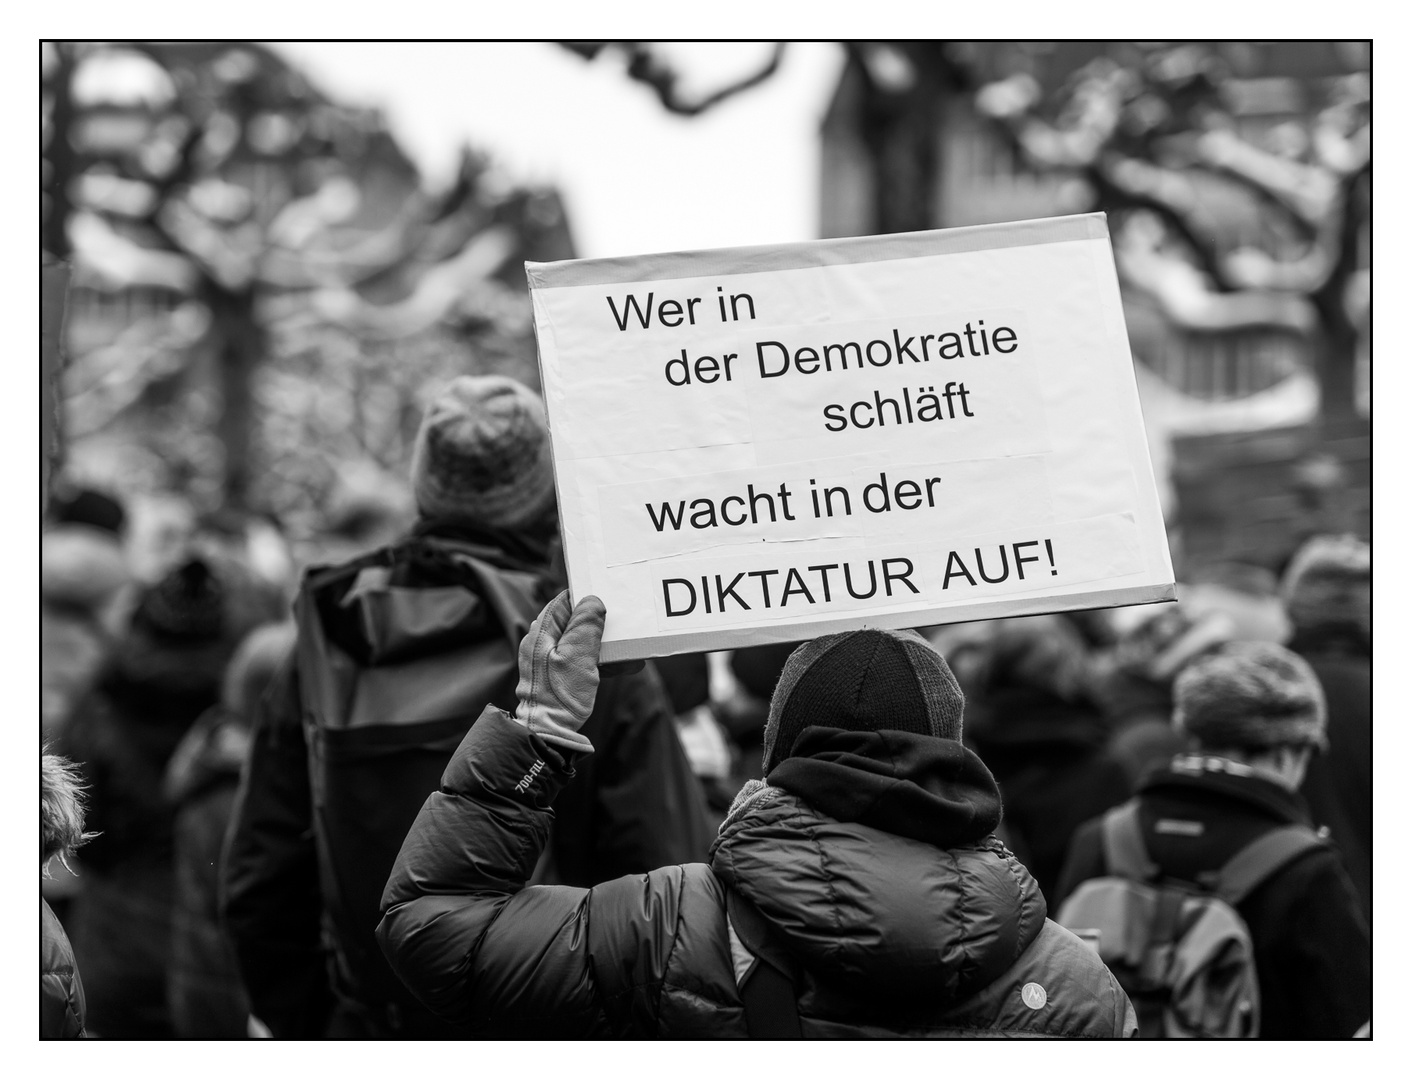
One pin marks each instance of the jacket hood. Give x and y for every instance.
(1216, 775)
(870, 913)
(415, 598)
(918, 786)
(420, 596)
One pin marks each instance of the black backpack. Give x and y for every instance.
(1181, 950)
(399, 651)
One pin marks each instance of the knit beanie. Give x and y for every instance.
(1250, 695)
(188, 604)
(863, 680)
(482, 455)
(1329, 585)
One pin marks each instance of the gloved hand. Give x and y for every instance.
(559, 671)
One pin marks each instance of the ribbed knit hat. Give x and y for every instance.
(482, 455)
(863, 680)
(1329, 584)
(1250, 695)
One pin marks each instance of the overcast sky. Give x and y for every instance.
(635, 178)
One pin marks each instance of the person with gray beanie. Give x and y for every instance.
(1255, 713)
(398, 652)
(856, 891)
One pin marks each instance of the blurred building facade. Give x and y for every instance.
(1246, 462)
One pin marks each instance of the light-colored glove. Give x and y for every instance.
(559, 671)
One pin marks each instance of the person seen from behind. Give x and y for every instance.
(398, 651)
(204, 989)
(1033, 720)
(857, 890)
(1132, 679)
(61, 999)
(83, 580)
(1256, 714)
(1328, 593)
(164, 672)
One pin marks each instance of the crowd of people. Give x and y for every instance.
(396, 796)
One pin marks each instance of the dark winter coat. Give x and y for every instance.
(633, 806)
(61, 1000)
(895, 935)
(1313, 955)
(1049, 758)
(1339, 783)
(121, 736)
(203, 983)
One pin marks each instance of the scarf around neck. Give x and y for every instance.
(924, 788)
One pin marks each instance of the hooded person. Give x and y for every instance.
(856, 891)
(1327, 590)
(163, 673)
(398, 652)
(1255, 713)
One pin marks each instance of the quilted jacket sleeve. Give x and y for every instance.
(478, 947)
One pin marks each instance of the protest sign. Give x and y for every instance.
(765, 444)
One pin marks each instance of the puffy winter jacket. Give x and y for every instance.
(895, 937)
(61, 1007)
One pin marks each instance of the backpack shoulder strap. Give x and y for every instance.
(1124, 852)
(767, 989)
(1249, 867)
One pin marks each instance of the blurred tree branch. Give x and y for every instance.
(1142, 134)
(647, 67)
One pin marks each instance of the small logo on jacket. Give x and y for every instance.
(1033, 995)
(528, 778)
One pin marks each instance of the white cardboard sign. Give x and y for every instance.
(760, 445)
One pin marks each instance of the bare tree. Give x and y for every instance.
(199, 174)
